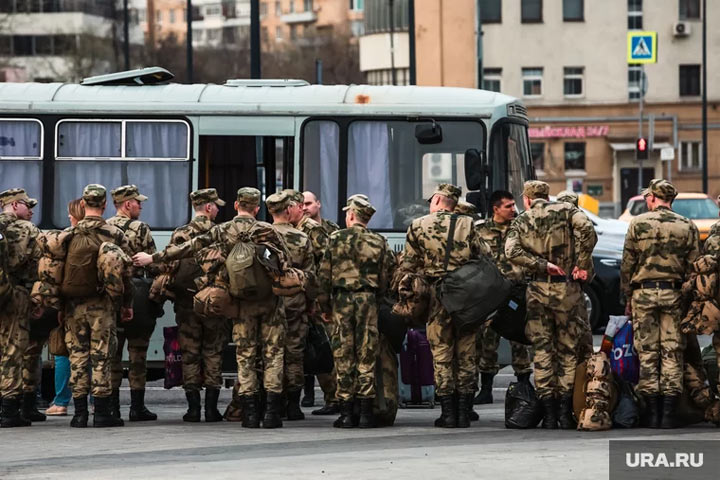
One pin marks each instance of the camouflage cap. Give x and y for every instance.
(360, 196)
(248, 196)
(448, 190)
(360, 206)
(295, 196)
(661, 188)
(127, 192)
(16, 195)
(568, 196)
(536, 189)
(94, 195)
(277, 202)
(206, 195)
(465, 208)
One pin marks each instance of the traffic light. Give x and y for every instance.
(641, 148)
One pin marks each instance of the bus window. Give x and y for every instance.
(321, 155)
(510, 155)
(89, 140)
(157, 140)
(21, 157)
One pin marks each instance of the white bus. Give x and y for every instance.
(394, 144)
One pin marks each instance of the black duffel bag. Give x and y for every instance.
(318, 353)
(40, 328)
(145, 311)
(522, 407)
(392, 326)
(510, 320)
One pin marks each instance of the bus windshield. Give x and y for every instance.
(510, 159)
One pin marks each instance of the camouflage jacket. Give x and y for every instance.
(712, 242)
(317, 235)
(659, 245)
(23, 246)
(426, 244)
(300, 256)
(5, 285)
(494, 234)
(139, 238)
(329, 226)
(115, 272)
(356, 259)
(555, 232)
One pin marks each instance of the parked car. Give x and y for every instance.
(698, 207)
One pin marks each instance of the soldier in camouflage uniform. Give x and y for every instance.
(258, 329)
(90, 322)
(201, 339)
(553, 243)
(454, 354)
(660, 247)
(23, 254)
(493, 232)
(128, 203)
(712, 247)
(286, 210)
(353, 276)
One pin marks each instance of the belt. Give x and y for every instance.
(552, 279)
(358, 290)
(662, 285)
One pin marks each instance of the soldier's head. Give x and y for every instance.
(533, 190)
(659, 193)
(248, 201)
(15, 200)
(311, 206)
(502, 203)
(445, 197)
(279, 205)
(568, 197)
(358, 211)
(128, 200)
(76, 211)
(296, 210)
(206, 202)
(93, 199)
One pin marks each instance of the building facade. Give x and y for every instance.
(383, 57)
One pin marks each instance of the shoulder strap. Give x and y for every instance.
(451, 236)
(125, 225)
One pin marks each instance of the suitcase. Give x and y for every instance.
(416, 380)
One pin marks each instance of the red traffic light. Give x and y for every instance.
(641, 148)
(641, 145)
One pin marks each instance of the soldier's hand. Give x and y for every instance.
(579, 274)
(325, 317)
(553, 269)
(126, 314)
(628, 308)
(142, 259)
(37, 312)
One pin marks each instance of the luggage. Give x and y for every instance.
(248, 278)
(318, 354)
(624, 359)
(627, 411)
(145, 311)
(522, 407)
(413, 300)
(510, 319)
(386, 384)
(417, 377)
(173, 358)
(80, 278)
(56, 342)
(391, 326)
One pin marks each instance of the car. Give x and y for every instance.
(698, 207)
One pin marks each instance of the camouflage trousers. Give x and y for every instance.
(91, 337)
(656, 316)
(554, 332)
(31, 359)
(487, 345)
(454, 355)
(293, 310)
(137, 357)
(14, 338)
(202, 341)
(259, 330)
(386, 384)
(694, 377)
(354, 341)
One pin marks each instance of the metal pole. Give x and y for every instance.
(479, 45)
(188, 41)
(318, 71)
(640, 127)
(704, 100)
(255, 69)
(411, 31)
(126, 33)
(391, 4)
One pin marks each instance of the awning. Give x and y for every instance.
(625, 147)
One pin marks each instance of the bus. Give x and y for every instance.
(394, 144)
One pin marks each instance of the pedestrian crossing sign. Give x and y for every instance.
(642, 47)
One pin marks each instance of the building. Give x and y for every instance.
(567, 60)
(382, 57)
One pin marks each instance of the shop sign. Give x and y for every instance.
(569, 132)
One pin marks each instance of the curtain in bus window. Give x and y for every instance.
(321, 149)
(89, 139)
(25, 174)
(518, 158)
(70, 179)
(368, 169)
(19, 139)
(156, 140)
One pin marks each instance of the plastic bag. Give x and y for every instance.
(173, 358)
(627, 412)
(522, 407)
(624, 359)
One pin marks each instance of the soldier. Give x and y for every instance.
(712, 242)
(286, 210)
(426, 253)
(258, 329)
(553, 244)
(493, 232)
(660, 247)
(128, 203)
(311, 208)
(20, 267)
(90, 319)
(201, 339)
(353, 276)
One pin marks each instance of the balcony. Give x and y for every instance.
(101, 8)
(299, 17)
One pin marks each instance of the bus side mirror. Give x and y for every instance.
(478, 199)
(428, 133)
(475, 170)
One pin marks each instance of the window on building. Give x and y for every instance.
(573, 81)
(172, 16)
(22, 45)
(531, 11)
(44, 45)
(214, 34)
(278, 9)
(213, 10)
(532, 81)
(308, 5)
(278, 33)
(158, 16)
(574, 156)
(573, 10)
(263, 8)
(264, 34)
(634, 76)
(635, 15)
(537, 151)
(293, 32)
(357, 27)
(292, 6)
(491, 11)
(690, 155)
(689, 9)
(5, 45)
(689, 80)
(491, 79)
(142, 15)
(357, 5)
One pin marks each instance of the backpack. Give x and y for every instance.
(184, 280)
(249, 280)
(80, 277)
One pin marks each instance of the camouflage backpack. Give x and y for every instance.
(248, 278)
(80, 278)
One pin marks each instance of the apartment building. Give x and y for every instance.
(382, 57)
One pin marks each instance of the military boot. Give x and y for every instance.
(448, 414)
(115, 403)
(347, 412)
(138, 410)
(308, 399)
(486, 386)
(102, 416)
(566, 418)
(367, 417)
(251, 418)
(212, 414)
(293, 406)
(332, 408)
(10, 416)
(272, 417)
(29, 408)
(193, 411)
(550, 419)
(670, 418)
(464, 407)
(80, 417)
(651, 416)
(233, 411)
